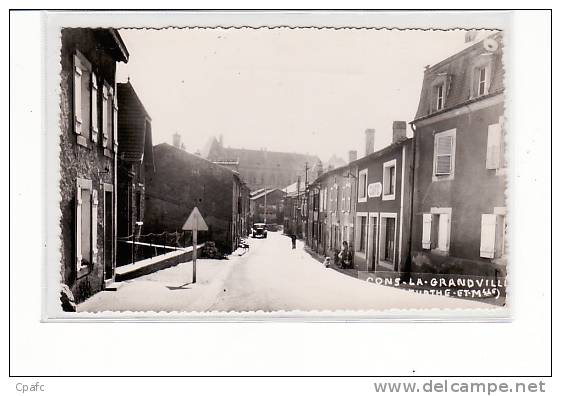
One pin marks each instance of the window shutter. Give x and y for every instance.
(104, 116)
(443, 231)
(427, 223)
(494, 133)
(115, 125)
(77, 95)
(444, 147)
(488, 227)
(78, 227)
(95, 116)
(94, 226)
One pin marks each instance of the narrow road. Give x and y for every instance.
(270, 277)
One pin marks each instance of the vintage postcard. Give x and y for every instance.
(277, 168)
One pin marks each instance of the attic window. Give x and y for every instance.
(439, 90)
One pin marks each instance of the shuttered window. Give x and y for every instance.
(86, 224)
(82, 80)
(496, 146)
(444, 153)
(443, 231)
(488, 230)
(104, 108)
(427, 230)
(95, 115)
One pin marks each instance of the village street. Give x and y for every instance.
(271, 276)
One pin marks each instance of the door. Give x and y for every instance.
(108, 235)
(373, 242)
(390, 240)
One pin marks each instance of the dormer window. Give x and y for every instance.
(440, 97)
(440, 86)
(481, 80)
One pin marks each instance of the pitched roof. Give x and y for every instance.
(134, 129)
(457, 72)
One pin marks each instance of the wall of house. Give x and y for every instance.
(377, 205)
(182, 181)
(77, 161)
(473, 191)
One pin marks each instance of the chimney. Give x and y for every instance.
(319, 168)
(221, 140)
(399, 130)
(352, 155)
(177, 140)
(369, 147)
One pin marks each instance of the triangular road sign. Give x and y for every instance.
(195, 221)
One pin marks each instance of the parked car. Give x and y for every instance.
(259, 230)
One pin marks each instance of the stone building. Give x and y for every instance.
(182, 181)
(459, 214)
(135, 159)
(263, 168)
(88, 156)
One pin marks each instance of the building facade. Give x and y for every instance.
(459, 214)
(134, 160)
(263, 168)
(182, 181)
(366, 203)
(266, 206)
(383, 206)
(89, 147)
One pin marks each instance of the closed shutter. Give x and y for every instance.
(95, 116)
(444, 151)
(115, 114)
(78, 227)
(77, 95)
(443, 231)
(494, 137)
(427, 223)
(94, 226)
(104, 115)
(488, 228)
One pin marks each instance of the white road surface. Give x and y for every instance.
(270, 277)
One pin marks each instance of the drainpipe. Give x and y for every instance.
(412, 215)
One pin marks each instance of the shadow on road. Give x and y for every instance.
(182, 287)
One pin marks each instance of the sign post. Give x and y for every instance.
(194, 223)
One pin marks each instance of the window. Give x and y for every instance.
(389, 180)
(82, 95)
(362, 233)
(436, 230)
(86, 224)
(496, 146)
(493, 232)
(482, 79)
(444, 155)
(439, 96)
(362, 185)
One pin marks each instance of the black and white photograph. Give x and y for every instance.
(361, 199)
(245, 170)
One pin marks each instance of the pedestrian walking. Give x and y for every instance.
(293, 238)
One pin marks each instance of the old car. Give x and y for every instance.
(259, 230)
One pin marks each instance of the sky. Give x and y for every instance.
(309, 91)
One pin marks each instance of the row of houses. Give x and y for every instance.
(114, 184)
(431, 203)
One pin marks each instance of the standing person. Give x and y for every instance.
(344, 255)
(293, 238)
